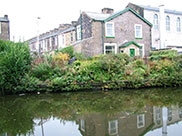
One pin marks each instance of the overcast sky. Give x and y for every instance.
(23, 13)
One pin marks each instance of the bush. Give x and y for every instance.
(15, 60)
(163, 54)
(68, 50)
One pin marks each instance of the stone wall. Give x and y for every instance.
(86, 26)
(5, 34)
(125, 31)
(91, 46)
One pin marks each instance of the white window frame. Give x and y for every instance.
(82, 122)
(113, 31)
(0, 27)
(168, 23)
(156, 22)
(138, 121)
(143, 49)
(78, 32)
(178, 24)
(116, 127)
(110, 44)
(141, 35)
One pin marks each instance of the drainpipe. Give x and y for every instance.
(164, 118)
(102, 37)
(81, 24)
(162, 27)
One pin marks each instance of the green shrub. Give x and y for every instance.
(15, 60)
(69, 50)
(42, 71)
(163, 54)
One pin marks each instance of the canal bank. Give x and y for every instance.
(53, 72)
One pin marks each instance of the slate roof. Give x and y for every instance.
(107, 17)
(51, 34)
(97, 16)
(2, 19)
(157, 10)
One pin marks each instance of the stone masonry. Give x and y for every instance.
(4, 28)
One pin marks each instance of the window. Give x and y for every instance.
(113, 127)
(109, 29)
(71, 37)
(138, 31)
(82, 125)
(158, 116)
(167, 23)
(0, 27)
(110, 48)
(63, 40)
(78, 32)
(180, 112)
(156, 24)
(178, 25)
(169, 114)
(142, 50)
(140, 121)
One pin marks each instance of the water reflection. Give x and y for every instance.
(130, 113)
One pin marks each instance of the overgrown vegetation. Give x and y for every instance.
(53, 73)
(15, 61)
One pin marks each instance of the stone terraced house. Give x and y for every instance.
(108, 32)
(55, 39)
(100, 33)
(4, 28)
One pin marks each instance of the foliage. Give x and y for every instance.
(68, 50)
(15, 62)
(158, 55)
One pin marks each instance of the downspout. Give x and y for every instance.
(80, 25)
(102, 37)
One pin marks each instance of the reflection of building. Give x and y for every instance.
(174, 114)
(119, 124)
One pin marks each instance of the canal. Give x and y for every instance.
(143, 112)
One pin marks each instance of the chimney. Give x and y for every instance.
(6, 17)
(73, 23)
(107, 11)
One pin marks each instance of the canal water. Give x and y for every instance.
(144, 112)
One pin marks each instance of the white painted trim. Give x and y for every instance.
(82, 122)
(110, 44)
(113, 30)
(141, 36)
(143, 48)
(116, 127)
(78, 28)
(143, 121)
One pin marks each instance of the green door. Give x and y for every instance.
(132, 52)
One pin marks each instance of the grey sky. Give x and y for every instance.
(23, 13)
